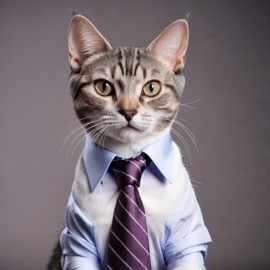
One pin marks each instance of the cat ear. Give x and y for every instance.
(84, 40)
(171, 45)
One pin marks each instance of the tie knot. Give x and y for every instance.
(129, 171)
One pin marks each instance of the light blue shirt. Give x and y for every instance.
(177, 234)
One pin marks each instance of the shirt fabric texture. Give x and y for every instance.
(177, 234)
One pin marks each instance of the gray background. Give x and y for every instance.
(227, 76)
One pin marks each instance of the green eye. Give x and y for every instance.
(151, 89)
(103, 87)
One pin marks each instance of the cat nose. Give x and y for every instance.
(128, 113)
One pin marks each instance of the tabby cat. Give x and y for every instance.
(127, 99)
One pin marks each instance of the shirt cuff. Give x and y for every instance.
(194, 261)
(79, 263)
(194, 242)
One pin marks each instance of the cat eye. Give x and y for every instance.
(103, 87)
(151, 89)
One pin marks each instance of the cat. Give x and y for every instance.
(127, 99)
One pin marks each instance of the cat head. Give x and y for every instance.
(126, 97)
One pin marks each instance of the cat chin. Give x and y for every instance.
(128, 144)
(128, 135)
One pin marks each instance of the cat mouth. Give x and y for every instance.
(132, 127)
(129, 129)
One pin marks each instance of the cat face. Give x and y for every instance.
(126, 94)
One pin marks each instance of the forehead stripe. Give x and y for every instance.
(77, 88)
(174, 90)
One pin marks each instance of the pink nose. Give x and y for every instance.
(128, 113)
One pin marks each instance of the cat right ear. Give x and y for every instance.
(171, 45)
(84, 40)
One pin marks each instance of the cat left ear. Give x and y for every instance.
(171, 45)
(84, 40)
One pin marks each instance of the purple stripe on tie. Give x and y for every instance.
(133, 201)
(128, 242)
(134, 219)
(129, 234)
(127, 253)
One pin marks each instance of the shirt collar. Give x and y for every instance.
(97, 160)
(161, 153)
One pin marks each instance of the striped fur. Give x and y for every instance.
(128, 70)
(127, 120)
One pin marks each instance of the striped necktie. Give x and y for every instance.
(128, 243)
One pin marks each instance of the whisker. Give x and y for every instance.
(104, 134)
(84, 132)
(81, 134)
(95, 133)
(183, 141)
(181, 138)
(70, 134)
(194, 183)
(190, 135)
(78, 121)
(188, 104)
(75, 130)
(188, 132)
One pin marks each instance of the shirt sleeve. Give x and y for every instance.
(77, 241)
(186, 236)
